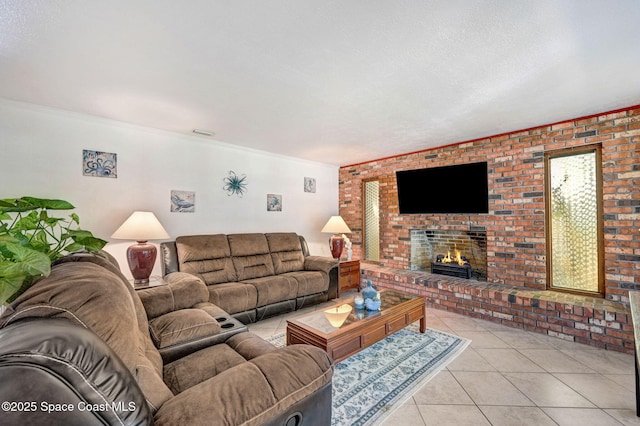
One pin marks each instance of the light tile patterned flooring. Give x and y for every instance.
(512, 377)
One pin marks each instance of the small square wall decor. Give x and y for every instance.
(183, 201)
(309, 184)
(99, 164)
(274, 202)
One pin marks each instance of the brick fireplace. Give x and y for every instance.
(515, 225)
(516, 250)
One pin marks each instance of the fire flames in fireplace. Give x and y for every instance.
(456, 266)
(460, 260)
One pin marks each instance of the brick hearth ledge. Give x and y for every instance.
(590, 320)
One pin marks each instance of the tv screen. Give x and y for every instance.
(451, 189)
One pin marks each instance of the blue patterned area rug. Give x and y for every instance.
(370, 385)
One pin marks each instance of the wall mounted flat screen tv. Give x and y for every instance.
(459, 188)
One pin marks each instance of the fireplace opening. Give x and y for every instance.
(456, 266)
(458, 253)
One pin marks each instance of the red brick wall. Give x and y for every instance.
(515, 224)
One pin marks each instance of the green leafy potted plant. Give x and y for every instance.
(31, 240)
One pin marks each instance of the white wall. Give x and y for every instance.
(41, 156)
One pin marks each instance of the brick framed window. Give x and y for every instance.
(371, 219)
(574, 220)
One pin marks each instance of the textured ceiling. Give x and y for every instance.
(338, 82)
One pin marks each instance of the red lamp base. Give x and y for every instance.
(336, 242)
(141, 258)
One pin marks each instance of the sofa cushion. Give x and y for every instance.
(251, 256)
(286, 252)
(233, 297)
(209, 362)
(182, 326)
(272, 382)
(206, 256)
(274, 289)
(310, 282)
(200, 366)
(233, 397)
(294, 367)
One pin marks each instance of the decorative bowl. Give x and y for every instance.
(338, 315)
(372, 305)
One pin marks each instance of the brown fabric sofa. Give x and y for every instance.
(252, 276)
(76, 348)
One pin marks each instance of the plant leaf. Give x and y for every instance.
(78, 234)
(44, 203)
(7, 238)
(51, 221)
(41, 236)
(18, 205)
(17, 209)
(9, 268)
(86, 241)
(31, 261)
(9, 286)
(40, 243)
(73, 247)
(19, 238)
(27, 222)
(93, 244)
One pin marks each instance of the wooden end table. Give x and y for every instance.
(361, 329)
(348, 275)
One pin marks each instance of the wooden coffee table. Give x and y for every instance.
(361, 329)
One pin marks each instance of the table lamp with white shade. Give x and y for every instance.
(142, 227)
(336, 226)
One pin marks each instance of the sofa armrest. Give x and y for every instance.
(52, 361)
(183, 291)
(327, 265)
(191, 330)
(319, 263)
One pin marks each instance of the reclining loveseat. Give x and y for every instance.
(76, 349)
(252, 276)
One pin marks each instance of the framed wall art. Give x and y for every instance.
(183, 201)
(99, 164)
(309, 184)
(274, 202)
